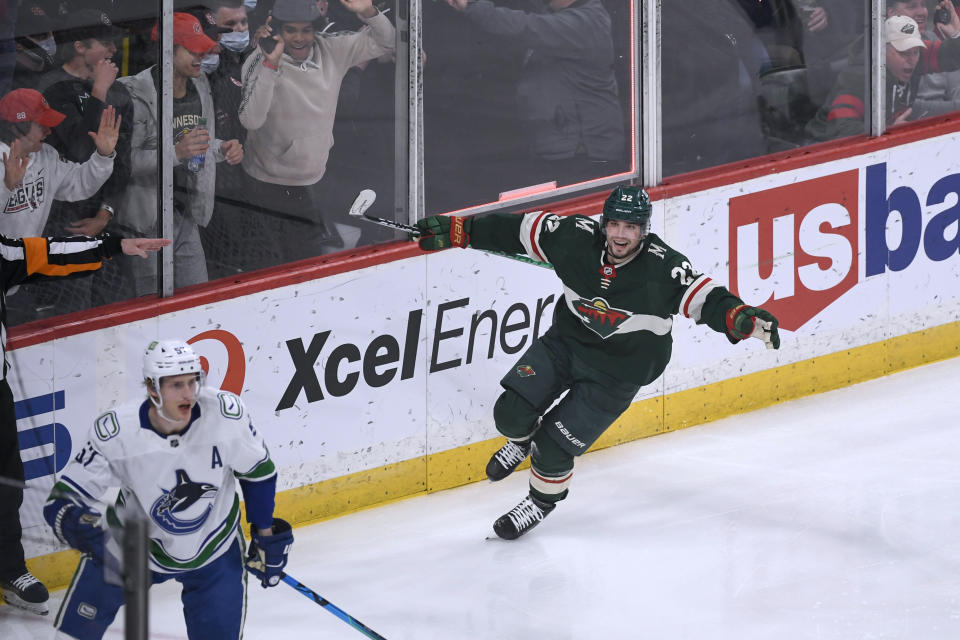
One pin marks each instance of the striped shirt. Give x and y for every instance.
(28, 259)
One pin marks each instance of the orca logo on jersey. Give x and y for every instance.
(180, 499)
(599, 316)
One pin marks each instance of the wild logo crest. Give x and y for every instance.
(599, 316)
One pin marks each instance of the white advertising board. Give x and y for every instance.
(402, 360)
(334, 371)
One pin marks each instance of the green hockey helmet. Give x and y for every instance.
(630, 204)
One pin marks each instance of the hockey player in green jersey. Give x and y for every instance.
(610, 334)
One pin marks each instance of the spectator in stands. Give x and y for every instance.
(233, 241)
(938, 93)
(830, 26)
(567, 96)
(908, 57)
(35, 44)
(33, 173)
(363, 157)
(81, 88)
(711, 61)
(225, 80)
(204, 15)
(289, 104)
(193, 181)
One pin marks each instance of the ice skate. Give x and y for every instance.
(522, 518)
(507, 458)
(26, 592)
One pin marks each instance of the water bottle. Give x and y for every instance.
(195, 163)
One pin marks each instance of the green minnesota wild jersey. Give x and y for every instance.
(616, 318)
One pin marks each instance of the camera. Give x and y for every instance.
(941, 16)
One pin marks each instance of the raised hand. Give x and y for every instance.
(952, 28)
(263, 31)
(273, 56)
(819, 20)
(14, 165)
(104, 73)
(363, 8)
(272, 45)
(108, 133)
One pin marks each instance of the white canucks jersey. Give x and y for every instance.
(184, 483)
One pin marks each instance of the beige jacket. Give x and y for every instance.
(289, 113)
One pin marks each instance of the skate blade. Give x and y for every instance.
(38, 608)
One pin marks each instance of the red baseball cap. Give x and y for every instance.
(29, 105)
(188, 33)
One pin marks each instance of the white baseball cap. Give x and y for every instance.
(903, 33)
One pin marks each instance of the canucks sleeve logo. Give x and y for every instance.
(171, 510)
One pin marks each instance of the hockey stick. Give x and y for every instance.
(363, 202)
(53, 492)
(332, 608)
(366, 198)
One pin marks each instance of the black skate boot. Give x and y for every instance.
(508, 458)
(25, 592)
(522, 518)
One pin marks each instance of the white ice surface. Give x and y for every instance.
(830, 517)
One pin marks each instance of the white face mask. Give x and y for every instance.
(49, 45)
(210, 63)
(235, 40)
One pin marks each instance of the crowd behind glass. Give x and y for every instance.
(284, 110)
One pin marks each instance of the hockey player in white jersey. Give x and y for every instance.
(175, 456)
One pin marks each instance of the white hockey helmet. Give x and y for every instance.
(170, 358)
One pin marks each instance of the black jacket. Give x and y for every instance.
(567, 96)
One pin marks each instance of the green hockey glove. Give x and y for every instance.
(753, 322)
(443, 232)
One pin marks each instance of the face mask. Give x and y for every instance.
(210, 63)
(49, 45)
(235, 40)
(250, 4)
